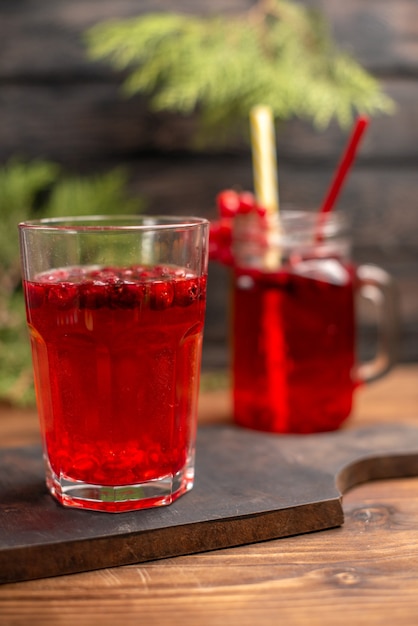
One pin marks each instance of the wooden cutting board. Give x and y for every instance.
(249, 487)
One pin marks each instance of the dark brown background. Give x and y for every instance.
(56, 105)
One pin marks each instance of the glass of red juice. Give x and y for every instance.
(115, 310)
(295, 323)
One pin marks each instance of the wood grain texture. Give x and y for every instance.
(362, 573)
(48, 85)
(78, 120)
(380, 33)
(249, 487)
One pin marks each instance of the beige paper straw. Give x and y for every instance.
(264, 158)
(265, 178)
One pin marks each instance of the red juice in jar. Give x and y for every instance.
(294, 361)
(293, 347)
(116, 355)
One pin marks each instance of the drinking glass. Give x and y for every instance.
(115, 310)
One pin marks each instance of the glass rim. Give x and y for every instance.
(312, 217)
(299, 222)
(112, 223)
(290, 226)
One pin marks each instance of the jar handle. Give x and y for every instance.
(378, 287)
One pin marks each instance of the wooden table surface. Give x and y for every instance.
(365, 572)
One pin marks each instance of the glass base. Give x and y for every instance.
(120, 498)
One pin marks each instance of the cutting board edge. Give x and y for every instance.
(27, 562)
(375, 467)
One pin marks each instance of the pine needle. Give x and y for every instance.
(30, 191)
(279, 53)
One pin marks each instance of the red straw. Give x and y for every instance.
(344, 165)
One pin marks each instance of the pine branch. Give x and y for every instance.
(279, 53)
(94, 195)
(31, 191)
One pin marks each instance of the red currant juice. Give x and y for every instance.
(293, 352)
(116, 357)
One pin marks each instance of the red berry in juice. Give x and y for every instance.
(116, 363)
(293, 354)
